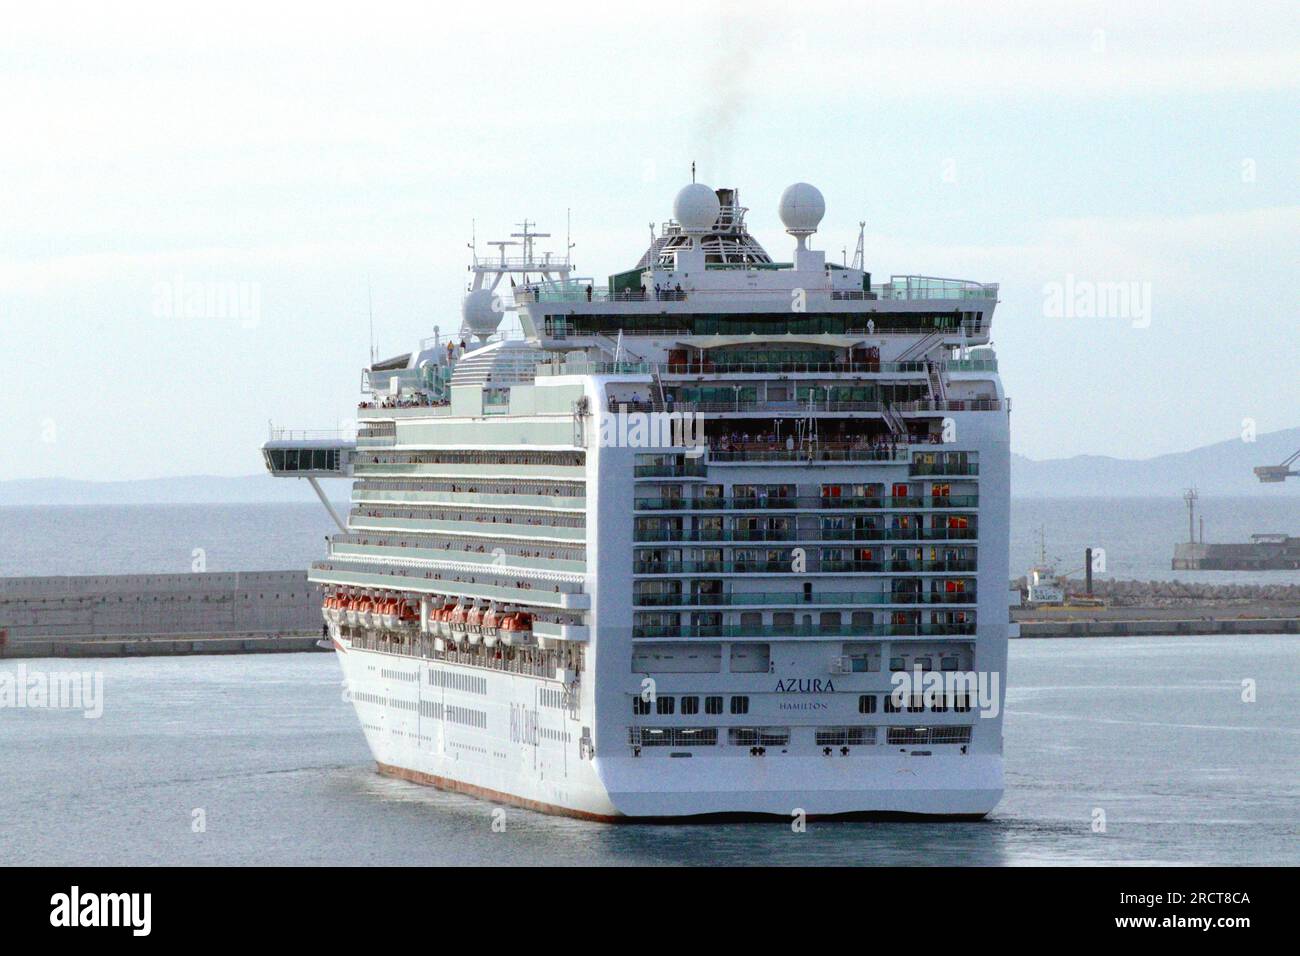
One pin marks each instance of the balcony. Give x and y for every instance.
(933, 287)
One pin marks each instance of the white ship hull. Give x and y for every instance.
(530, 755)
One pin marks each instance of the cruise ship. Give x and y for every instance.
(669, 547)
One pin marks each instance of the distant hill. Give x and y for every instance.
(1225, 468)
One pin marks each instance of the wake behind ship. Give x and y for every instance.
(671, 552)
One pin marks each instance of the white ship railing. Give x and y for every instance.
(312, 434)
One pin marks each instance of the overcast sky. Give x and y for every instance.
(291, 151)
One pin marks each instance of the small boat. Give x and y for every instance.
(388, 612)
(365, 608)
(456, 621)
(517, 629)
(443, 625)
(474, 624)
(408, 614)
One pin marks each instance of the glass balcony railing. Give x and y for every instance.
(776, 503)
(804, 630)
(802, 534)
(953, 566)
(823, 598)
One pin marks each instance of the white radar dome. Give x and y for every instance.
(802, 208)
(481, 318)
(696, 208)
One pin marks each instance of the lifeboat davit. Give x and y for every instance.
(350, 610)
(334, 608)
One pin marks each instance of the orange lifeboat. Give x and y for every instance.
(351, 609)
(491, 626)
(517, 629)
(388, 612)
(474, 624)
(408, 613)
(365, 608)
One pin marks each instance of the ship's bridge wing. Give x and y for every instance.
(309, 454)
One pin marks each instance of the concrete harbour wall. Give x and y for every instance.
(120, 615)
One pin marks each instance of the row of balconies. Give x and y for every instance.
(796, 598)
(806, 503)
(955, 566)
(747, 631)
(792, 535)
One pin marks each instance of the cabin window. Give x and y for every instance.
(867, 704)
(664, 705)
(713, 705)
(690, 705)
(640, 706)
(740, 705)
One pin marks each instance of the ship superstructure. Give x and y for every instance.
(672, 552)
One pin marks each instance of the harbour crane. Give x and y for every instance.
(1272, 473)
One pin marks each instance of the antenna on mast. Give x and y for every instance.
(859, 254)
(370, 308)
(692, 170)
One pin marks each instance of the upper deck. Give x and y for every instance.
(708, 283)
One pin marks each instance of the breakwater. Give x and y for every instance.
(121, 615)
(1151, 608)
